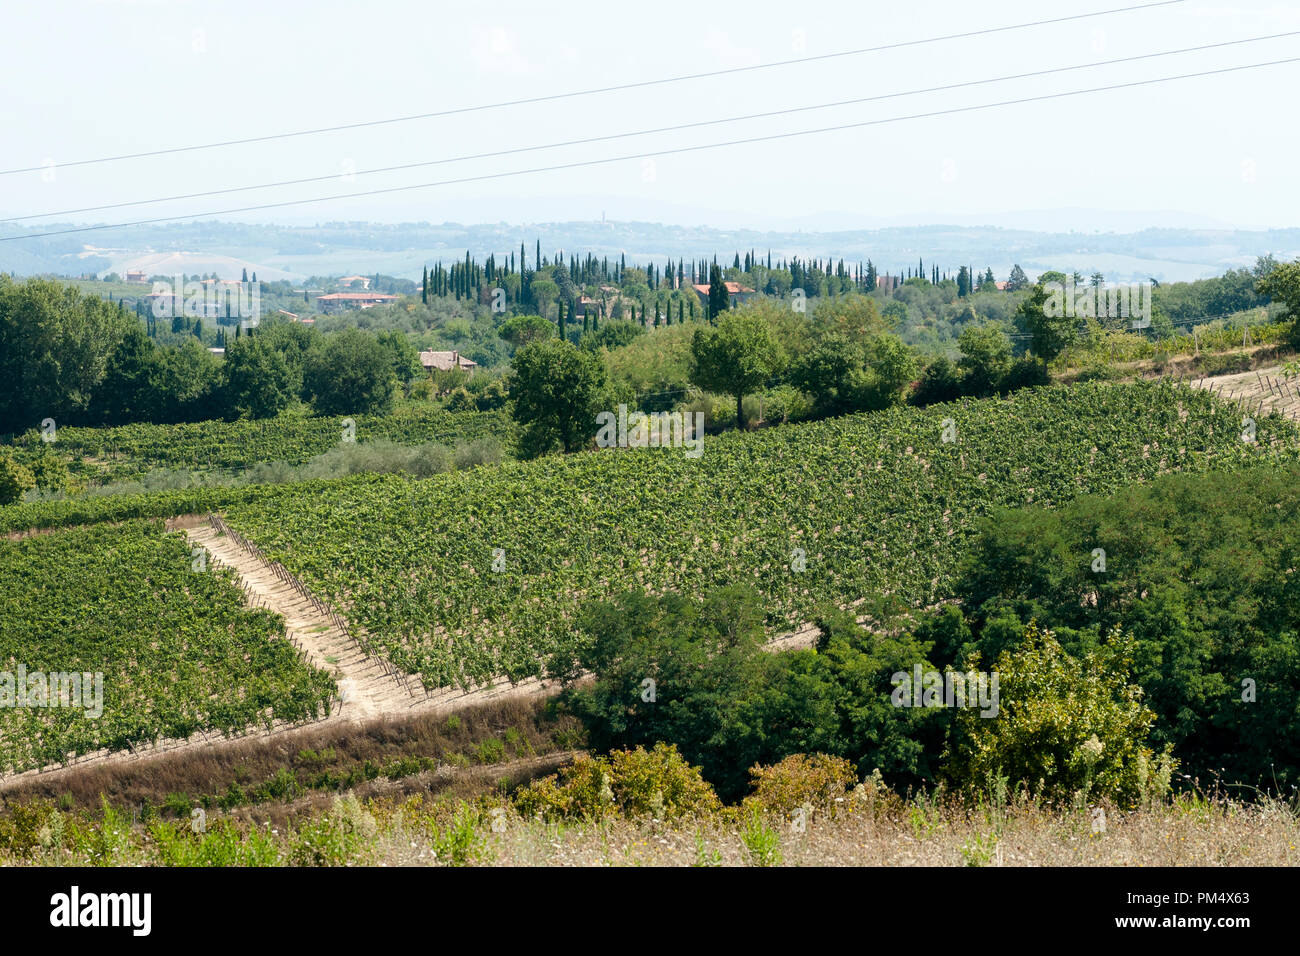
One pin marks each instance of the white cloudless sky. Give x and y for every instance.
(100, 77)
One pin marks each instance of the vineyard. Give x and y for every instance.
(464, 576)
(100, 455)
(179, 650)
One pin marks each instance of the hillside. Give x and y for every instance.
(875, 502)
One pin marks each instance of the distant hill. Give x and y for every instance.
(295, 252)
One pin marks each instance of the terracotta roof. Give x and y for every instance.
(734, 288)
(445, 361)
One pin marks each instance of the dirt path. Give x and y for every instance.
(1266, 390)
(369, 687)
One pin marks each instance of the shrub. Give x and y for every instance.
(460, 400)
(762, 842)
(334, 839)
(1074, 727)
(14, 480)
(658, 783)
(816, 780)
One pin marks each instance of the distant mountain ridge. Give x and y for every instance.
(294, 252)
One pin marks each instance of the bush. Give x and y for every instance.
(940, 382)
(1225, 363)
(14, 480)
(483, 451)
(460, 400)
(658, 783)
(1074, 728)
(337, 838)
(1025, 372)
(818, 780)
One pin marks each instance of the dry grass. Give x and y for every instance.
(1238, 836)
(337, 750)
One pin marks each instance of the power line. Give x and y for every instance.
(578, 164)
(650, 132)
(590, 92)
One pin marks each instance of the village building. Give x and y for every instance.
(342, 301)
(736, 293)
(446, 361)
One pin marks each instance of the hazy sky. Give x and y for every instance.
(102, 77)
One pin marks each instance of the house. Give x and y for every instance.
(736, 293)
(351, 282)
(218, 352)
(586, 306)
(341, 301)
(446, 361)
(137, 275)
(293, 316)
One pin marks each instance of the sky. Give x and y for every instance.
(95, 78)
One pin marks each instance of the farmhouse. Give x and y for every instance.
(446, 361)
(351, 282)
(341, 301)
(736, 293)
(137, 275)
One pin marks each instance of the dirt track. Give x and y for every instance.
(367, 686)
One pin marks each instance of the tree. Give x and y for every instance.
(611, 335)
(556, 389)
(350, 373)
(719, 298)
(1282, 284)
(54, 349)
(735, 357)
(1071, 725)
(985, 358)
(128, 392)
(1050, 333)
(1017, 280)
(405, 357)
(521, 330)
(544, 292)
(260, 383)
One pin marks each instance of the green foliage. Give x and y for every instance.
(521, 330)
(55, 345)
(350, 373)
(1070, 728)
(1282, 284)
(227, 449)
(656, 782)
(762, 842)
(737, 356)
(1051, 331)
(412, 561)
(819, 781)
(342, 837)
(1198, 571)
(260, 381)
(556, 389)
(611, 335)
(14, 480)
(179, 653)
(985, 358)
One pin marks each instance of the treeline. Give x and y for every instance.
(79, 360)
